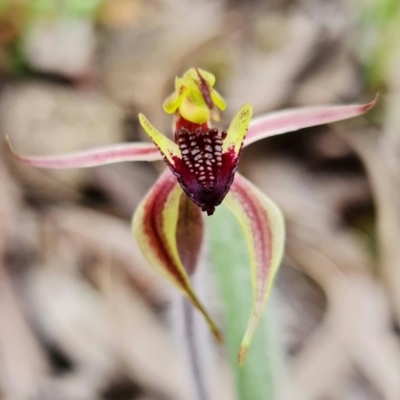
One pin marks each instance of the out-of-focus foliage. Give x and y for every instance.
(381, 21)
(22, 19)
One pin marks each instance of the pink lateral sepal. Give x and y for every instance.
(122, 152)
(290, 120)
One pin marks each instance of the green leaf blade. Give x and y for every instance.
(258, 378)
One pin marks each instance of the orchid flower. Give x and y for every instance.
(203, 161)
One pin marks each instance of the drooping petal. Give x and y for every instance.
(297, 118)
(155, 227)
(101, 156)
(189, 234)
(264, 230)
(167, 147)
(237, 130)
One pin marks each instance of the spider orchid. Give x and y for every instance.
(203, 161)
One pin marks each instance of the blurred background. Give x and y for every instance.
(82, 316)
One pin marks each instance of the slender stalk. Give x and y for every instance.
(193, 338)
(193, 350)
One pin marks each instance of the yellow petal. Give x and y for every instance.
(218, 100)
(173, 102)
(237, 129)
(192, 75)
(194, 110)
(263, 226)
(194, 97)
(167, 147)
(155, 227)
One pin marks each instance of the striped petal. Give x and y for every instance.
(298, 118)
(191, 77)
(91, 158)
(237, 130)
(168, 148)
(199, 79)
(263, 227)
(155, 226)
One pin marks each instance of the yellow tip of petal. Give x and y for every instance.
(167, 147)
(242, 353)
(247, 340)
(171, 104)
(218, 335)
(213, 326)
(238, 129)
(218, 100)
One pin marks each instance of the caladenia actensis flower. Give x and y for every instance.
(203, 161)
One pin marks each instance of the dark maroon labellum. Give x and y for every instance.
(204, 172)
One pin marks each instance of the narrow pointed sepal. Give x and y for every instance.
(91, 158)
(155, 226)
(167, 147)
(298, 118)
(237, 130)
(263, 226)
